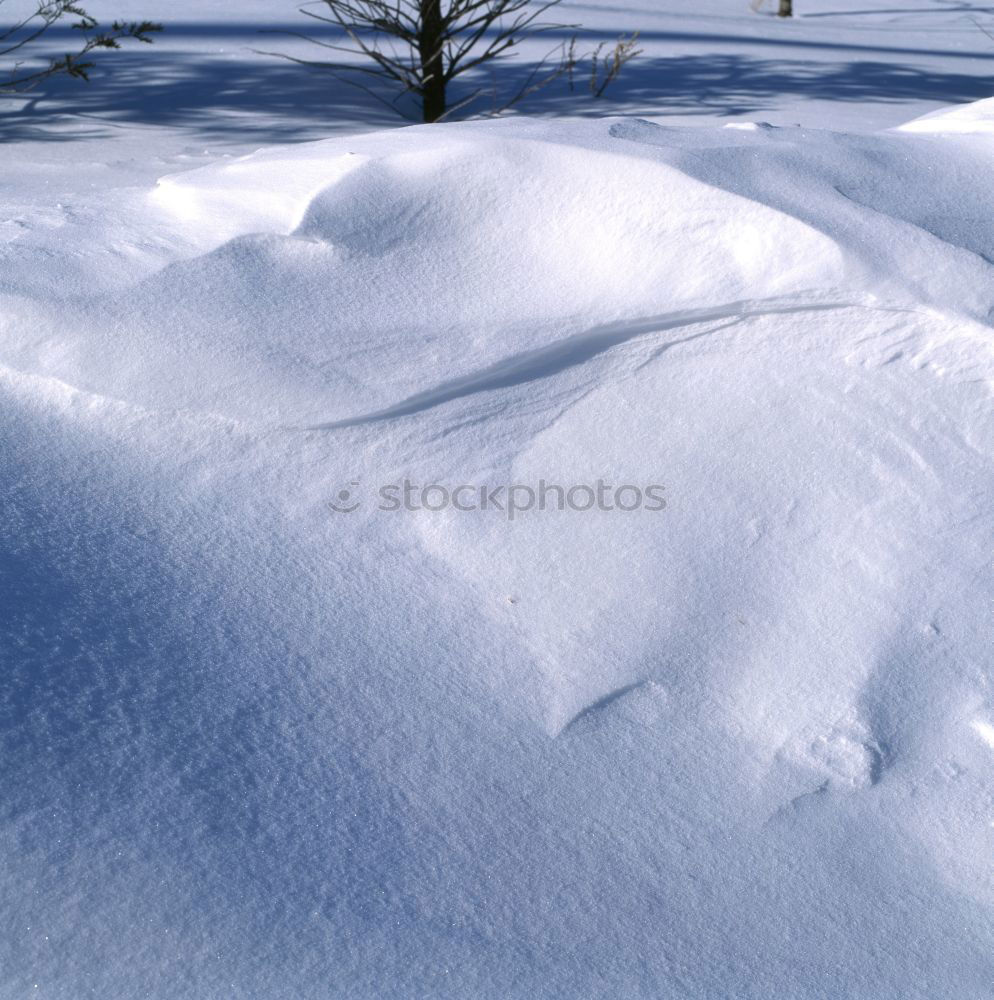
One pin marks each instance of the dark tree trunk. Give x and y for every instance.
(430, 53)
(786, 8)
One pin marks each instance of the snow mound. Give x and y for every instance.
(269, 732)
(973, 119)
(513, 241)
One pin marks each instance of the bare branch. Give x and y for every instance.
(30, 29)
(425, 46)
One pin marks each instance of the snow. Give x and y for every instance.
(975, 118)
(739, 746)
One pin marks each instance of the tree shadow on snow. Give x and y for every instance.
(215, 100)
(729, 84)
(255, 99)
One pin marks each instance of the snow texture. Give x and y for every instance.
(253, 747)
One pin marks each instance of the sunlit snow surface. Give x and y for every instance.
(739, 747)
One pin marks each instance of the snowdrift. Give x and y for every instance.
(266, 736)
